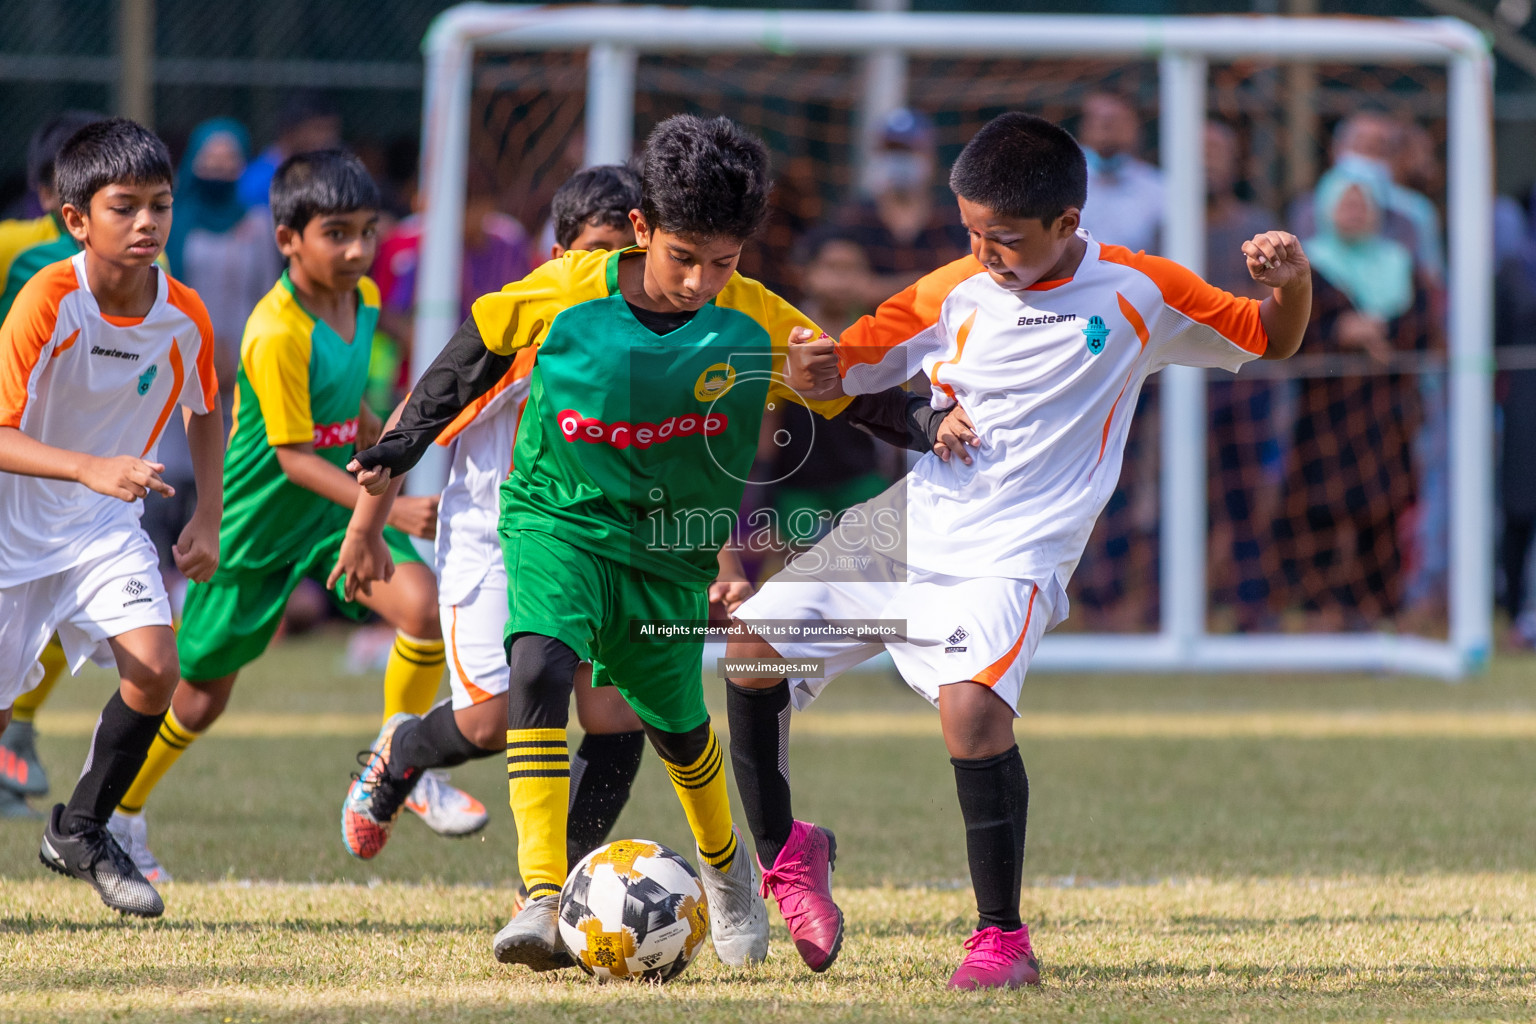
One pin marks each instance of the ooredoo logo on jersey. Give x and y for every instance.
(577, 427)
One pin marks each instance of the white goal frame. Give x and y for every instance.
(612, 36)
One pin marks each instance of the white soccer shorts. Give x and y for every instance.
(86, 605)
(475, 631)
(953, 629)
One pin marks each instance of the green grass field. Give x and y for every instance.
(1210, 849)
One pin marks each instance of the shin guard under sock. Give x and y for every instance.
(994, 801)
(759, 722)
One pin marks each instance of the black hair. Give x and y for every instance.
(704, 179)
(44, 145)
(600, 196)
(1022, 166)
(115, 151)
(318, 184)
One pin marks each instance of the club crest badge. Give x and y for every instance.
(147, 380)
(1097, 333)
(714, 382)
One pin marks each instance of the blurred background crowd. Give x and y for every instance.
(1328, 498)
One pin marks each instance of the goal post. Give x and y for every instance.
(613, 37)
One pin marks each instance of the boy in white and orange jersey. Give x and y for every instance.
(1040, 342)
(95, 356)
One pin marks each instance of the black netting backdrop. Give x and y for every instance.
(1327, 474)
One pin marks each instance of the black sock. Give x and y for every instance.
(432, 741)
(602, 772)
(117, 753)
(759, 721)
(994, 801)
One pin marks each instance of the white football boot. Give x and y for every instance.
(738, 917)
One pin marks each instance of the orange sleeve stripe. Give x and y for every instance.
(1137, 323)
(522, 366)
(903, 316)
(1232, 317)
(27, 330)
(68, 343)
(961, 336)
(995, 671)
(178, 378)
(190, 303)
(1104, 439)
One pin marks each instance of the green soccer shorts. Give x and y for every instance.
(588, 602)
(228, 622)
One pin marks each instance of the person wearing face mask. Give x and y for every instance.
(1125, 194)
(904, 233)
(218, 244)
(1374, 143)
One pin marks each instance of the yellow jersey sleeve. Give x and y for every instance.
(277, 366)
(519, 315)
(778, 318)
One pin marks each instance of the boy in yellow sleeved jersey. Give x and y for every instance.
(298, 415)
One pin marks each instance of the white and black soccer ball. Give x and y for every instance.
(633, 909)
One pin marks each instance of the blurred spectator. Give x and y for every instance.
(1125, 194)
(1373, 143)
(306, 122)
(904, 233)
(218, 244)
(1125, 207)
(1514, 325)
(1509, 228)
(497, 251)
(1245, 451)
(795, 207)
(820, 467)
(1349, 476)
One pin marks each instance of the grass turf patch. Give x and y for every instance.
(1408, 948)
(1239, 848)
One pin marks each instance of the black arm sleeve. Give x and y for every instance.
(463, 371)
(897, 417)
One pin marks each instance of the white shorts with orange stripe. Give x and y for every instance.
(86, 604)
(474, 629)
(952, 629)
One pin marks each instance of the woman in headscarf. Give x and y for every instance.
(219, 245)
(1349, 478)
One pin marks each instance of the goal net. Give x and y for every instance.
(1328, 512)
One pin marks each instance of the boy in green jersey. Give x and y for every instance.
(298, 416)
(653, 368)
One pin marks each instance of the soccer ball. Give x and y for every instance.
(633, 909)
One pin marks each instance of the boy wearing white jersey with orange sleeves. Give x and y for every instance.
(96, 355)
(1039, 342)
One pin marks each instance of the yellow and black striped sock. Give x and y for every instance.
(412, 676)
(54, 664)
(170, 743)
(539, 790)
(701, 788)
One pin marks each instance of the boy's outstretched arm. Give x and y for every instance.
(196, 550)
(1275, 258)
(125, 477)
(364, 556)
(463, 371)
